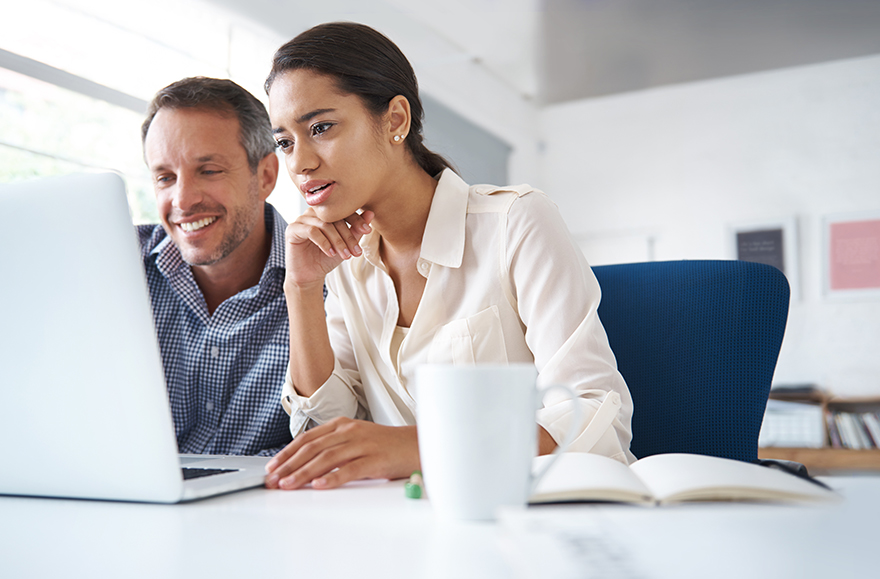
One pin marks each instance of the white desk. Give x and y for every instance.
(372, 530)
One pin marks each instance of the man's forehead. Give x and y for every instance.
(194, 135)
(189, 118)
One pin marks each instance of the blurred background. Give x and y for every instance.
(661, 128)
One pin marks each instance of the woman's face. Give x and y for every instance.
(334, 149)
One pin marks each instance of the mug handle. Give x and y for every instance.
(569, 436)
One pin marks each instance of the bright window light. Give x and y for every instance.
(48, 130)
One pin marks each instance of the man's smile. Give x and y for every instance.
(196, 225)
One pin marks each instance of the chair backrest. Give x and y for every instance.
(697, 343)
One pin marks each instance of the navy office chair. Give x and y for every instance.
(697, 342)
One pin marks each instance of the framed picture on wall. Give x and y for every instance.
(852, 255)
(772, 242)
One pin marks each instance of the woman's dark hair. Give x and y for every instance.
(365, 63)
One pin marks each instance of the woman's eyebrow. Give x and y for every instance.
(310, 115)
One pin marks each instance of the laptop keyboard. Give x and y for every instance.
(190, 473)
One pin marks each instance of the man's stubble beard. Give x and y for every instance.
(242, 226)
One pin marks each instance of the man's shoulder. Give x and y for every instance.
(149, 237)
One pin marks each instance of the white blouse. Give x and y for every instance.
(505, 283)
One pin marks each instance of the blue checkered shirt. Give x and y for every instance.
(224, 371)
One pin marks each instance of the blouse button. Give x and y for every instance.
(215, 351)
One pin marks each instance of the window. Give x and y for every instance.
(76, 75)
(49, 130)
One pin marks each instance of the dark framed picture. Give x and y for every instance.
(772, 242)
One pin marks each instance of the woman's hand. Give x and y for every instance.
(355, 448)
(314, 248)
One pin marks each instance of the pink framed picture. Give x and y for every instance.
(852, 255)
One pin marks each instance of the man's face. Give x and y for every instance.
(209, 201)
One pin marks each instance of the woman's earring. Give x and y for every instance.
(396, 138)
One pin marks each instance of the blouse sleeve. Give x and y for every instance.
(342, 394)
(557, 297)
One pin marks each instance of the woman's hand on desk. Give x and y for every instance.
(358, 449)
(315, 248)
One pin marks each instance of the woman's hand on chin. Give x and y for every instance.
(344, 450)
(314, 248)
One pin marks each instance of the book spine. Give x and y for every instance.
(847, 432)
(872, 423)
(841, 428)
(872, 433)
(858, 430)
(865, 441)
(833, 433)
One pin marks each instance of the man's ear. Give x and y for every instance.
(399, 117)
(267, 175)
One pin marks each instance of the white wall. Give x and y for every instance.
(665, 173)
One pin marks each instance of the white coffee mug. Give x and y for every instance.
(478, 434)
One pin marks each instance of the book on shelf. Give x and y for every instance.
(855, 430)
(833, 433)
(669, 478)
(872, 423)
(792, 424)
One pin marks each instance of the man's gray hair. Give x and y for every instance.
(224, 97)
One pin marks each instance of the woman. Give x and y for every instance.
(419, 268)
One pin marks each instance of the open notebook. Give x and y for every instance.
(670, 478)
(83, 406)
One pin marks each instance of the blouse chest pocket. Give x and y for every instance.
(477, 339)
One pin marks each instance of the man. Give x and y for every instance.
(215, 267)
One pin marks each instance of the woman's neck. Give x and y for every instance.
(401, 215)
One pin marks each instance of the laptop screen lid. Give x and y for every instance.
(84, 409)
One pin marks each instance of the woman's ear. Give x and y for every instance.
(398, 119)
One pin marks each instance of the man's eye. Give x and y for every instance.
(164, 179)
(284, 144)
(320, 128)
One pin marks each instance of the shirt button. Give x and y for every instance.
(423, 267)
(209, 406)
(215, 351)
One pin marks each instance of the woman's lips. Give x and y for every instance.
(319, 194)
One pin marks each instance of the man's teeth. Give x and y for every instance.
(196, 225)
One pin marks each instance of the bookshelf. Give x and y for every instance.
(829, 457)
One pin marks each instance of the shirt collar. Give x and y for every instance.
(443, 240)
(276, 226)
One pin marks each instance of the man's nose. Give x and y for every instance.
(187, 194)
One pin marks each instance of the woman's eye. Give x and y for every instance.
(283, 144)
(320, 128)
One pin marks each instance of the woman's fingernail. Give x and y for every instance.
(357, 250)
(319, 482)
(345, 254)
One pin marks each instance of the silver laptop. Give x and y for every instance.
(84, 409)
